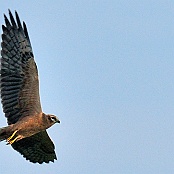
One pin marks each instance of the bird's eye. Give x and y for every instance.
(53, 119)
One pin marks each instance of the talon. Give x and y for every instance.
(9, 138)
(12, 141)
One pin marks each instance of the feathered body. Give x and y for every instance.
(26, 127)
(19, 85)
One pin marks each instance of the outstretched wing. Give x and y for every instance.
(19, 76)
(37, 148)
(19, 86)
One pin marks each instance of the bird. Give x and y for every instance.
(19, 91)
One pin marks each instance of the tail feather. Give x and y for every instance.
(3, 133)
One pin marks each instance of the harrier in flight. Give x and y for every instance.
(19, 85)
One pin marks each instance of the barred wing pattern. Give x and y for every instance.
(19, 77)
(37, 148)
(20, 88)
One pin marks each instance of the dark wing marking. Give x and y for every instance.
(19, 77)
(37, 148)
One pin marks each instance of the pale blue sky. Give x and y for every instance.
(107, 71)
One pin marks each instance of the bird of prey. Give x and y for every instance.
(19, 85)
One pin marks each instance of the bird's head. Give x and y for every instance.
(52, 119)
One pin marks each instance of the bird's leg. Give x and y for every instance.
(16, 139)
(9, 138)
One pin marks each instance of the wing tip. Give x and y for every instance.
(41, 161)
(16, 23)
(5, 17)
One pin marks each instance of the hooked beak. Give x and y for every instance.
(57, 121)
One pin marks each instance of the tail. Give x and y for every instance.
(3, 133)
